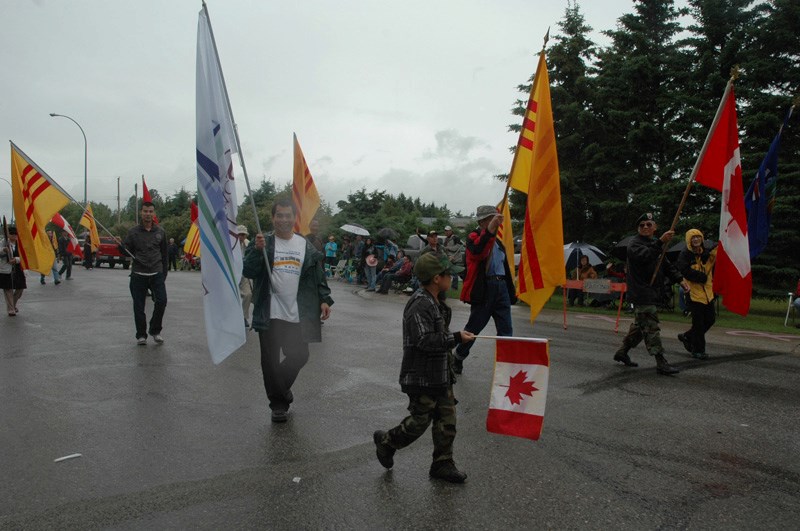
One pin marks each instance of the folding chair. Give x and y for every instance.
(338, 269)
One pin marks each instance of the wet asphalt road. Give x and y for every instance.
(168, 440)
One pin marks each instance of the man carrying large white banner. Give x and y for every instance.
(222, 257)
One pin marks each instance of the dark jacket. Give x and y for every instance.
(479, 246)
(63, 247)
(149, 249)
(427, 344)
(312, 291)
(643, 255)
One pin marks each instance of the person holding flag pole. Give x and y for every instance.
(297, 273)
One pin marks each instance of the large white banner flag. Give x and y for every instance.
(216, 189)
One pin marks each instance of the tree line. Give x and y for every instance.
(630, 119)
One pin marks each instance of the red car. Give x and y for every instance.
(110, 254)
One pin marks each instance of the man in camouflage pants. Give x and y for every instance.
(643, 254)
(426, 373)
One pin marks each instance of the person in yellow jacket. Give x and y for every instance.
(696, 264)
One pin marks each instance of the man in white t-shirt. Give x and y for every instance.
(290, 297)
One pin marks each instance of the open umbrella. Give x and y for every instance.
(388, 234)
(620, 250)
(574, 250)
(355, 228)
(674, 251)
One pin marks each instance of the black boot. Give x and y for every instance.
(687, 344)
(662, 367)
(384, 452)
(623, 357)
(447, 471)
(458, 366)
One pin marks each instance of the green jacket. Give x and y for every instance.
(312, 291)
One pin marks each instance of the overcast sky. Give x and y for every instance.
(410, 96)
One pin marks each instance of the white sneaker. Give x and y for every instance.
(158, 339)
(141, 341)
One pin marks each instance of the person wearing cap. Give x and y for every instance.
(644, 251)
(454, 249)
(426, 372)
(489, 287)
(245, 284)
(12, 277)
(431, 243)
(696, 264)
(290, 297)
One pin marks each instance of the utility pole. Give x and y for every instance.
(119, 207)
(136, 201)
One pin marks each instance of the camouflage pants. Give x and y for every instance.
(644, 327)
(424, 409)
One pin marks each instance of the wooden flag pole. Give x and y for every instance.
(693, 176)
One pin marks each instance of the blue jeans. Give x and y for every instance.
(371, 276)
(497, 306)
(139, 286)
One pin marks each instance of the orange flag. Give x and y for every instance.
(87, 220)
(36, 198)
(304, 192)
(192, 244)
(505, 235)
(541, 266)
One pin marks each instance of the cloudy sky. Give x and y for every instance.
(410, 96)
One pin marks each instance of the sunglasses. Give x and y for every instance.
(646, 224)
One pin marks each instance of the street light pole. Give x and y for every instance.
(85, 154)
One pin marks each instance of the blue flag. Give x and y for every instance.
(760, 197)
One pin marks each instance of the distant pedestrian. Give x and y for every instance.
(290, 297)
(174, 252)
(12, 277)
(147, 242)
(66, 256)
(330, 253)
(643, 253)
(54, 268)
(426, 372)
(87, 252)
(245, 284)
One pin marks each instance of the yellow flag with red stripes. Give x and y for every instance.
(192, 244)
(506, 236)
(87, 220)
(541, 266)
(304, 192)
(36, 198)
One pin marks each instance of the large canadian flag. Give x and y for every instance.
(720, 167)
(519, 387)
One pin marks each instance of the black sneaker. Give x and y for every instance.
(686, 343)
(447, 471)
(384, 452)
(663, 367)
(279, 416)
(623, 357)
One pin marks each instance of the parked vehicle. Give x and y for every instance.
(109, 253)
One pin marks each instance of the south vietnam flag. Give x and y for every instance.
(519, 387)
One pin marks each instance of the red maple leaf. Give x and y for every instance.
(517, 386)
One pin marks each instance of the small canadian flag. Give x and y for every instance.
(519, 387)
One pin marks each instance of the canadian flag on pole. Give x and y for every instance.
(720, 167)
(74, 246)
(519, 387)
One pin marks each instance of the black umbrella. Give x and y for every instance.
(674, 251)
(620, 250)
(388, 234)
